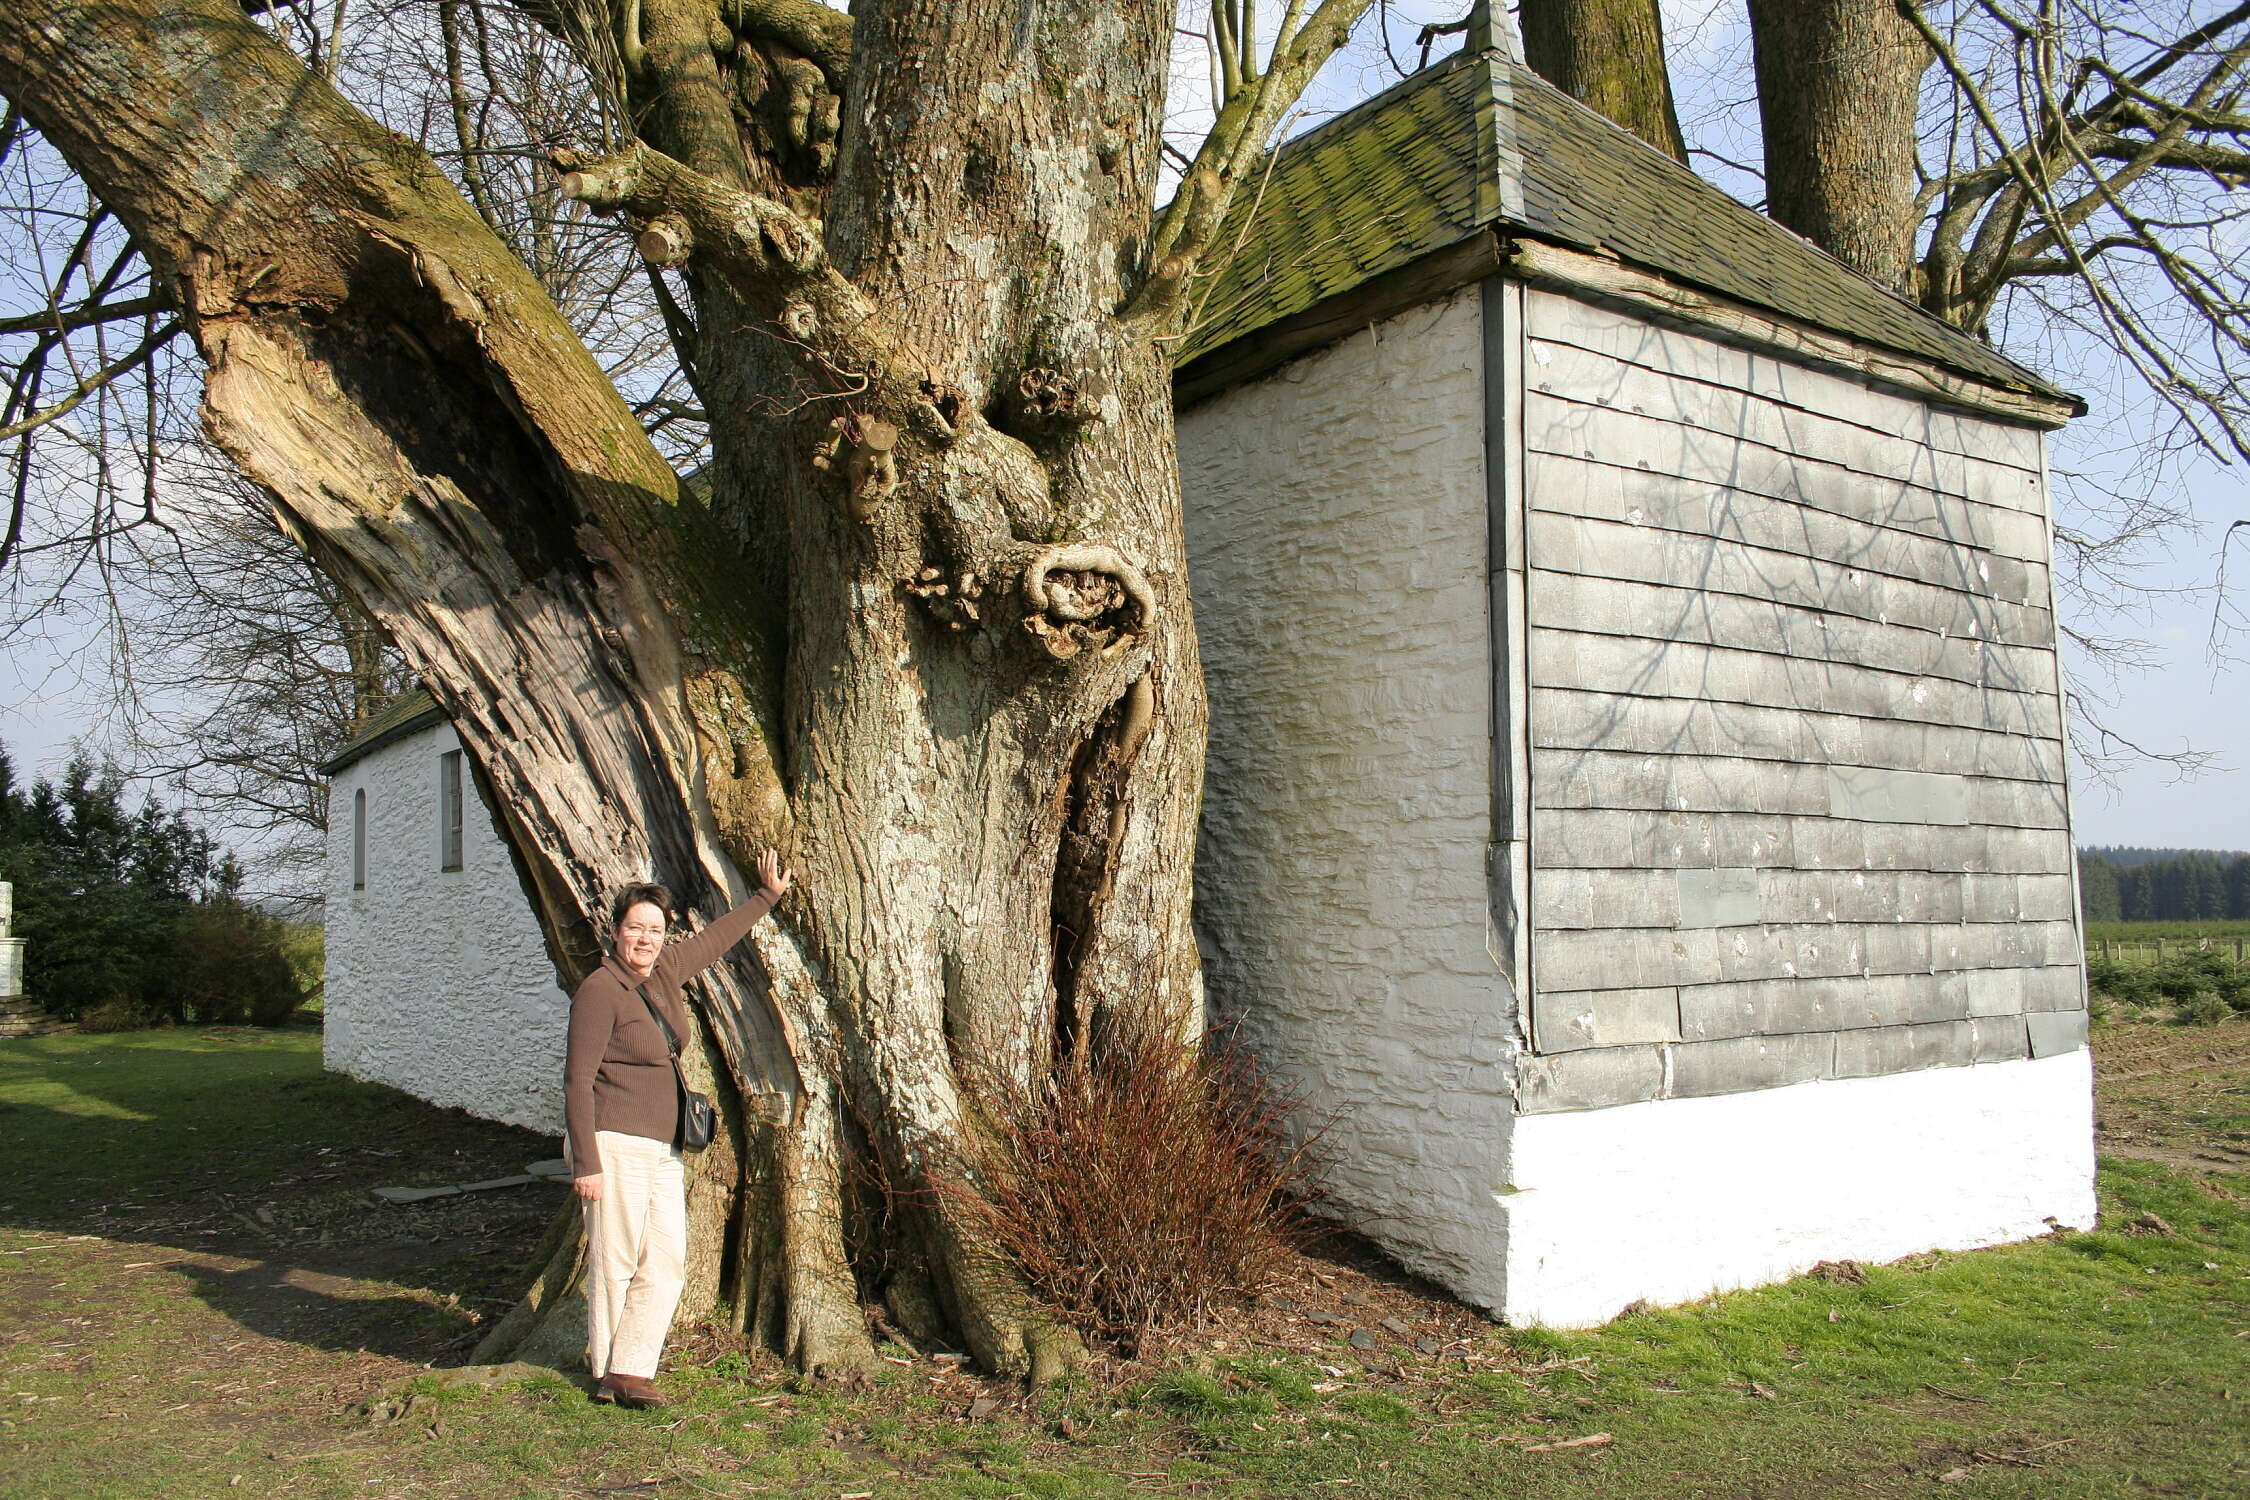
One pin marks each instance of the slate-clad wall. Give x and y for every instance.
(1796, 765)
(1336, 523)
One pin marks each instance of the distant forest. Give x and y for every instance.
(2164, 885)
(2122, 855)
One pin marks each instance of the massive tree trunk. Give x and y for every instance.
(930, 633)
(1608, 55)
(1839, 84)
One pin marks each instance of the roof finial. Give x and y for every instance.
(1480, 37)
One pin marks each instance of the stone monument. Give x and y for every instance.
(18, 1016)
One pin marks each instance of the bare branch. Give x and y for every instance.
(129, 361)
(2156, 364)
(1245, 124)
(85, 316)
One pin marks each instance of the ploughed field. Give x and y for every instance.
(199, 1295)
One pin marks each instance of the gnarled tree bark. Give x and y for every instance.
(928, 630)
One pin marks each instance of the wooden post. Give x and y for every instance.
(2160, 950)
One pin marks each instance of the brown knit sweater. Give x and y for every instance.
(617, 1074)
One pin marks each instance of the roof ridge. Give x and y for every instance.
(1673, 164)
(408, 713)
(1479, 139)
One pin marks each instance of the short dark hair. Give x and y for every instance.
(633, 895)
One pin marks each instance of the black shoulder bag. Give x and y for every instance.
(698, 1120)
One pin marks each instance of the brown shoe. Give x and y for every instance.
(636, 1391)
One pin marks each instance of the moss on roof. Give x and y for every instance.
(1481, 143)
(408, 713)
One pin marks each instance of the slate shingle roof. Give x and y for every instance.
(408, 713)
(1480, 143)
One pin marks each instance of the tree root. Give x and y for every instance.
(822, 1331)
(549, 1325)
(1056, 1350)
(1003, 1324)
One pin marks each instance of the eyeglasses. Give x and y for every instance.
(640, 929)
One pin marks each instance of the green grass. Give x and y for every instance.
(2113, 1362)
(176, 1113)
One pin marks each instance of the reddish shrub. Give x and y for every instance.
(1142, 1180)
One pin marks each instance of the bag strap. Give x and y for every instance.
(671, 1040)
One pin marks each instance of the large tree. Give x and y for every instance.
(925, 624)
(1609, 56)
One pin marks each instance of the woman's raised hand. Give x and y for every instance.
(772, 878)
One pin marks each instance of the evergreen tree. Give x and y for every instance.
(2163, 885)
(2203, 889)
(132, 913)
(2098, 894)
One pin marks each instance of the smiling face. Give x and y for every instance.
(640, 937)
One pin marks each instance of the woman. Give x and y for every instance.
(621, 1106)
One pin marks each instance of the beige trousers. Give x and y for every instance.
(636, 1254)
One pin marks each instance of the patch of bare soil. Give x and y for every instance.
(2176, 1095)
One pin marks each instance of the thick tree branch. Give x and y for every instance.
(2175, 155)
(431, 430)
(774, 261)
(2056, 265)
(2135, 85)
(1230, 151)
(2151, 361)
(2140, 158)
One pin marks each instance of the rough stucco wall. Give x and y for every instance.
(438, 982)
(1336, 523)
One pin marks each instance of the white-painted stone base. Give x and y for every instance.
(1675, 1199)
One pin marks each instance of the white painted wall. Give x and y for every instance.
(11, 948)
(1337, 526)
(1336, 522)
(438, 982)
(1674, 1199)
